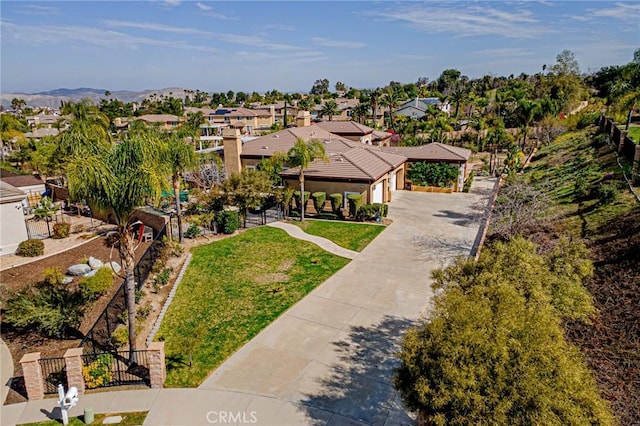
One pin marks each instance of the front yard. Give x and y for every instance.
(352, 236)
(232, 289)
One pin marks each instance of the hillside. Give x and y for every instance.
(53, 98)
(593, 203)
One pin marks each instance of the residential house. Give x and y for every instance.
(31, 186)
(13, 229)
(436, 153)
(164, 121)
(357, 132)
(417, 108)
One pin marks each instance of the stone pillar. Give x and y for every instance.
(32, 372)
(303, 119)
(157, 368)
(636, 166)
(232, 141)
(73, 361)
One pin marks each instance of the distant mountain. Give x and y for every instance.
(53, 98)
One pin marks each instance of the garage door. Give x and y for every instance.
(392, 181)
(377, 193)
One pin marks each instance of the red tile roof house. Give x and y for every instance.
(353, 167)
(356, 132)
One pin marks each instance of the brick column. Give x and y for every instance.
(157, 368)
(73, 361)
(32, 375)
(636, 166)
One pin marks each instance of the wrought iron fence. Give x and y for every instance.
(54, 371)
(106, 369)
(98, 338)
(42, 228)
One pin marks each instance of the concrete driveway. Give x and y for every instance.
(330, 358)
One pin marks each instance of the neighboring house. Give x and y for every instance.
(39, 133)
(345, 109)
(243, 118)
(42, 120)
(380, 138)
(32, 187)
(417, 108)
(436, 153)
(165, 121)
(349, 129)
(13, 229)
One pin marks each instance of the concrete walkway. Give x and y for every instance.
(323, 243)
(329, 359)
(6, 370)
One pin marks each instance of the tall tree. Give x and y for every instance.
(117, 181)
(391, 101)
(330, 108)
(301, 155)
(180, 157)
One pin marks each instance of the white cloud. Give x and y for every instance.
(155, 27)
(203, 6)
(171, 3)
(338, 43)
(69, 35)
(467, 21)
(620, 11)
(36, 9)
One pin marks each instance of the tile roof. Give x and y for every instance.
(9, 193)
(379, 135)
(20, 180)
(159, 118)
(283, 140)
(359, 163)
(345, 127)
(431, 152)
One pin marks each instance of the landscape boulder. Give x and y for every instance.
(79, 269)
(115, 266)
(67, 280)
(95, 263)
(91, 273)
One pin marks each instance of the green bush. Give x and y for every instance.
(227, 221)
(294, 213)
(370, 212)
(384, 208)
(193, 231)
(163, 277)
(296, 198)
(30, 248)
(99, 372)
(319, 200)
(432, 174)
(607, 192)
(327, 216)
(355, 201)
(336, 203)
(120, 336)
(61, 230)
(94, 286)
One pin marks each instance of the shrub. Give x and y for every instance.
(193, 231)
(354, 200)
(227, 221)
(369, 212)
(144, 312)
(336, 203)
(99, 373)
(294, 213)
(92, 287)
(468, 182)
(61, 230)
(327, 216)
(432, 174)
(319, 200)
(30, 248)
(120, 336)
(163, 277)
(607, 193)
(296, 197)
(384, 208)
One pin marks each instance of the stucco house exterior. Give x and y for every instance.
(13, 229)
(417, 108)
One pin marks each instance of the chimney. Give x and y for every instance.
(303, 119)
(232, 148)
(417, 101)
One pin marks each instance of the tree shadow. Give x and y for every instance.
(359, 390)
(461, 219)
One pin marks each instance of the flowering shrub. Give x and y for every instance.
(99, 372)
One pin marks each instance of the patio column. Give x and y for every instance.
(157, 368)
(32, 373)
(73, 361)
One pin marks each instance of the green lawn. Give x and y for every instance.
(634, 133)
(128, 419)
(231, 290)
(353, 236)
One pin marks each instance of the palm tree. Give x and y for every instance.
(302, 154)
(374, 97)
(360, 111)
(305, 104)
(391, 100)
(117, 181)
(330, 108)
(180, 157)
(88, 131)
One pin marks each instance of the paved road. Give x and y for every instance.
(329, 360)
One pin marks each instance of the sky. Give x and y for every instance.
(288, 45)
